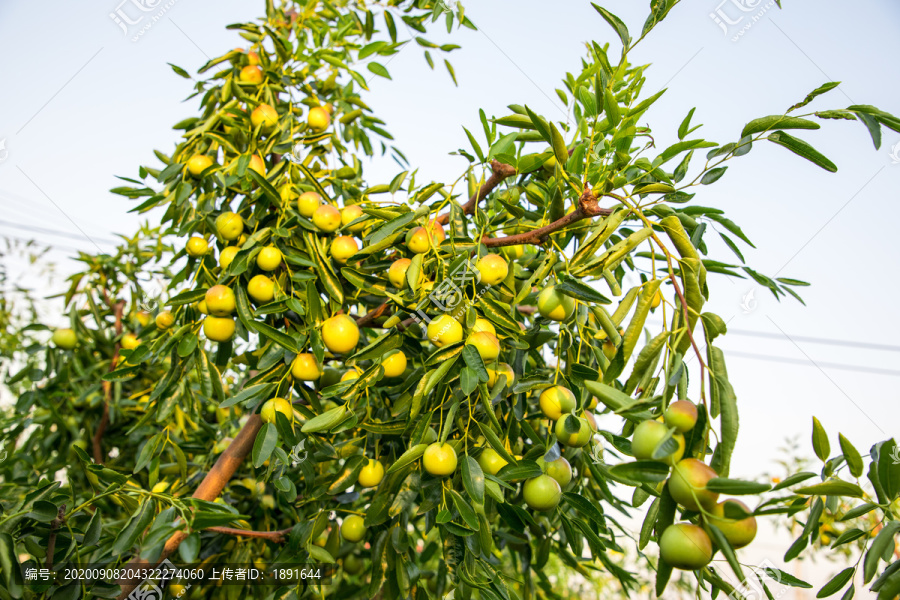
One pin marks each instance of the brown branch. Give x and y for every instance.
(499, 172)
(588, 208)
(272, 536)
(373, 314)
(51, 541)
(209, 489)
(118, 308)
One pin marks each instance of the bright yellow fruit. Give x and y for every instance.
(342, 248)
(129, 341)
(439, 459)
(307, 203)
(491, 462)
(371, 474)
(350, 214)
(556, 401)
(487, 344)
(422, 239)
(340, 334)
(394, 364)
(269, 258)
(229, 226)
(196, 246)
(483, 325)
(305, 367)
(164, 320)
(201, 306)
(252, 74)
(318, 119)
(494, 373)
(198, 163)
(444, 330)
(351, 374)
(257, 164)
(265, 117)
(219, 301)
(276, 405)
(397, 272)
(493, 269)
(226, 256)
(327, 218)
(261, 289)
(218, 329)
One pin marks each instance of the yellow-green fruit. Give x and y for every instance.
(261, 289)
(483, 325)
(350, 214)
(64, 338)
(422, 239)
(257, 164)
(218, 329)
(269, 258)
(353, 529)
(685, 546)
(164, 320)
(265, 117)
(196, 246)
(143, 317)
(226, 256)
(491, 462)
(129, 341)
(276, 405)
(340, 334)
(493, 269)
(681, 415)
(201, 306)
(542, 493)
(220, 301)
(351, 374)
(330, 376)
(738, 532)
(371, 474)
(555, 305)
(444, 330)
(252, 57)
(229, 225)
(305, 367)
(307, 203)
(487, 344)
(575, 439)
(397, 272)
(198, 163)
(688, 484)
(648, 435)
(327, 218)
(318, 119)
(252, 74)
(353, 565)
(657, 299)
(560, 470)
(394, 364)
(556, 401)
(439, 459)
(342, 248)
(513, 252)
(494, 374)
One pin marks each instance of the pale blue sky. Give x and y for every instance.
(82, 103)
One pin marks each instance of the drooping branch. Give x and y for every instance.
(588, 208)
(272, 536)
(499, 172)
(118, 309)
(209, 489)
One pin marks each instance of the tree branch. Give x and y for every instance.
(51, 540)
(209, 489)
(588, 208)
(118, 308)
(381, 309)
(272, 536)
(500, 172)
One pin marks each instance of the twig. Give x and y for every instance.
(51, 541)
(272, 536)
(588, 208)
(372, 314)
(209, 489)
(118, 308)
(499, 172)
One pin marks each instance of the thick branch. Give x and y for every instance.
(500, 172)
(588, 208)
(272, 536)
(118, 308)
(209, 489)
(51, 540)
(381, 309)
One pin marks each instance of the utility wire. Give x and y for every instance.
(802, 361)
(50, 231)
(817, 340)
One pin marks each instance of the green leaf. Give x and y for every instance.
(325, 421)
(407, 458)
(837, 582)
(473, 479)
(616, 23)
(820, 441)
(851, 455)
(525, 469)
(644, 471)
(378, 69)
(802, 148)
(265, 443)
(833, 487)
(882, 542)
(559, 146)
(686, 124)
(279, 337)
(777, 122)
(725, 548)
(465, 511)
(736, 487)
(822, 89)
(793, 479)
(136, 525)
(713, 175)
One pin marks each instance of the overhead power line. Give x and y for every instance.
(802, 361)
(817, 340)
(49, 231)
